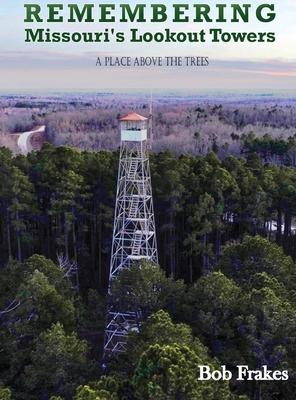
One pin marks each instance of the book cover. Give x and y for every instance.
(147, 200)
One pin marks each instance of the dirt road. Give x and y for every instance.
(24, 140)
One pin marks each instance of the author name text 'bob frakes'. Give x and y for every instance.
(243, 373)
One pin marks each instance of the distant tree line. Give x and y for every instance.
(181, 124)
(182, 128)
(271, 150)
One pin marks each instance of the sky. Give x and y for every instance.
(58, 67)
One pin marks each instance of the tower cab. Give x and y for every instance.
(133, 128)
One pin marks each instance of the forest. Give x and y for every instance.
(224, 292)
(183, 124)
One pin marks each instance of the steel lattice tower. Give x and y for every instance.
(134, 236)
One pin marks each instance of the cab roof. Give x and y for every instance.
(133, 117)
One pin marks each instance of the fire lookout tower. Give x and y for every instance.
(134, 236)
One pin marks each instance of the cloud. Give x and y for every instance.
(42, 59)
(263, 67)
(41, 70)
(58, 60)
